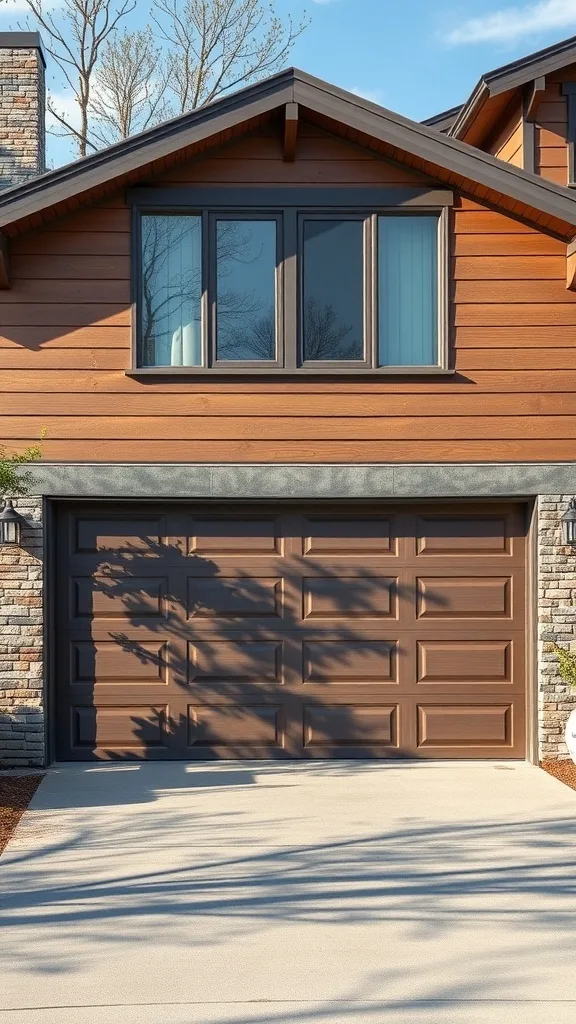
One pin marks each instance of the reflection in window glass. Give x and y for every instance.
(333, 290)
(245, 289)
(171, 333)
(408, 291)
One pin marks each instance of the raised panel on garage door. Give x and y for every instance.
(290, 630)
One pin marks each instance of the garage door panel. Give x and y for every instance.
(361, 596)
(346, 537)
(452, 726)
(119, 728)
(124, 536)
(237, 597)
(341, 726)
(231, 662)
(118, 661)
(317, 632)
(459, 597)
(100, 597)
(472, 535)
(349, 662)
(465, 661)
(237, 727)
(233, 536)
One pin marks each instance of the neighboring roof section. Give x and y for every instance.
(495, 89)
(538, 201)
(442, 122)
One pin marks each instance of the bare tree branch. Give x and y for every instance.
(74, 37)
(218, 45)
(129, 87)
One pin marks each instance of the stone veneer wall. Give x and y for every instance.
(21, 642)
(22, 114)
(556, 623)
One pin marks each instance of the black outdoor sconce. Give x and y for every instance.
(10, 526)
(569, 524)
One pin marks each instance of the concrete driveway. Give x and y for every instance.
(256, 893)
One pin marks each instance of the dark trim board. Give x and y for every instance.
(234, 481)
(264, 197)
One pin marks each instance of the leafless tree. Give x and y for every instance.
(129, 93)
(75, 33)
(218, 45)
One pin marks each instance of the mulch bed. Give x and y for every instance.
(563, 770)
(16, 792)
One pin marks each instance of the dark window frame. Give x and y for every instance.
(290, 207)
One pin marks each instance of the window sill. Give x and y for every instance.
(196, 372)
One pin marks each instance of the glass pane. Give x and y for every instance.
(171, 291)
(408, 291)
(333, 299)
(246, 289)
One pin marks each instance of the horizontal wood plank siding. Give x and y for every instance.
(65, 344)
(551, 156)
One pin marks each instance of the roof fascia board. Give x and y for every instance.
(130, 158)
(443, 150)
(537, 69)
(471, 108)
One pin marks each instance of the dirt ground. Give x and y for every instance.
(564, 770)
(16, 792)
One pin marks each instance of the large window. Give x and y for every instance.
(294, 290)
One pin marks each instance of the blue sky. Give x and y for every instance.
(415, 56)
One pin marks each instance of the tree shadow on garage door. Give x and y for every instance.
(253, 652)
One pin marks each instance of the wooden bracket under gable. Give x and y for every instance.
(290, 131)
(535, 94)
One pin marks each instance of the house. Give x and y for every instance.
(307, 374)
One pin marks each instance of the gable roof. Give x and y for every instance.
(443, 158)
(492, 87)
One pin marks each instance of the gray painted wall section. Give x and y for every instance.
(144, 480)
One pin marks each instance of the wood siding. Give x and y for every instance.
(551, 156)
(65, 346)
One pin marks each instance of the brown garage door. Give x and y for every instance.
(190, 632)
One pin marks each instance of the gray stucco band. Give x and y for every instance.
(246, 480)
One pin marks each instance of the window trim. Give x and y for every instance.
(290, 206)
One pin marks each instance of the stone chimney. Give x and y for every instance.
(22, 107)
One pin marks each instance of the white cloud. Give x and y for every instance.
(374, 95)
(21, 7)
(324, 2)
(65, 105)
(511, 24)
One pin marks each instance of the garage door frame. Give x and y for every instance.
(52, 506)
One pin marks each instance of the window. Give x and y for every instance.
(293, 290)
(332, 254)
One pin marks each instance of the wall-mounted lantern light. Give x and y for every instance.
(10, 526)
(569, 524)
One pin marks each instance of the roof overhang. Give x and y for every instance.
(496, 89)
(443, 158)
